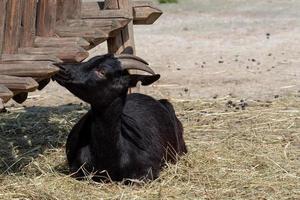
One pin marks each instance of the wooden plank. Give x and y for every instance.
(12, 26)
(60, 42)
(5, 93)
(86, 32)
(68, 9)
(143, 3)
(66, 54)
(30, 69)
(9, 58)
(74, 9)
(91, 11)
(28, 23)
(145, 15)
(91, 28)
(2, 22)
(95, 42)
(20, 84)
(144, 12)
(46, 18)
(105, 25)
(123, 42)
(113, 4)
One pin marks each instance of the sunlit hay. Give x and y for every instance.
(234, 153)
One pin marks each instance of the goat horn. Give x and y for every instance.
(133, 62)
(130, 56)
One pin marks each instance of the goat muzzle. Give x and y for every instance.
(62, 75)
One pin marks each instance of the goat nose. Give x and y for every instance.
(62, 75)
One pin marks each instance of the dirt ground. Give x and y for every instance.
(215, 49)
(250, 153)
(246, 49)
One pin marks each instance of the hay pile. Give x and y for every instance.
(236, 151)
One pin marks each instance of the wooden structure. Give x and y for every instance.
(34, 34)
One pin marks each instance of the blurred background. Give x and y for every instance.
(215, 49)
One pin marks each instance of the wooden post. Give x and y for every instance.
(46, 18)
(123, 42)
(68, 9)
(2, 22)
(12, 26)
(46, 21)
(28, 23)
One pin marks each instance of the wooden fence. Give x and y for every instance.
(34, 34)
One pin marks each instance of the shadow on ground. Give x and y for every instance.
(27, 133)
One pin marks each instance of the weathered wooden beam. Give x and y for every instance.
(20, 84)
(144, 12)
(28, 23)
(87, 33)
(2, 22)
(46, 18)
(10, 58)
(142, 3)
(113, 4)
(145, 15)
(5, 93)
(102, 4)
(12, 26)
(91, 28)
(90, 11)
(95, 42)
(123, 42)
(29, 69)
(67, 54)
(106, 25)
(60, 42)
(68, 9)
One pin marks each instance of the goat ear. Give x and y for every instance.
(145, 79)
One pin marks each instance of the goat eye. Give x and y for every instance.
(100, 73)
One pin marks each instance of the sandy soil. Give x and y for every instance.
(215, 49)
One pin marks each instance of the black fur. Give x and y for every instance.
(122, 136)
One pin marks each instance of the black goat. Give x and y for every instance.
(122, 136)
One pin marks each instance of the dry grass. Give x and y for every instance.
(233, 154)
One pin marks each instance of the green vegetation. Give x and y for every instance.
(168, 1)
